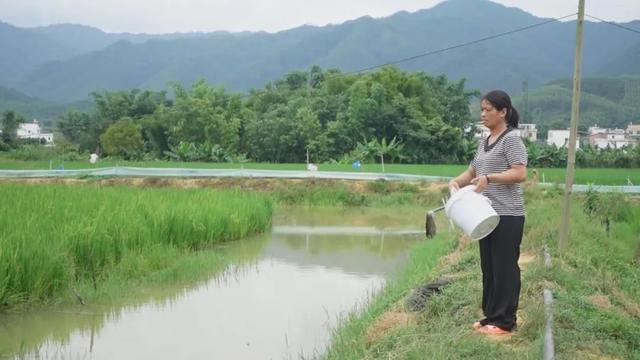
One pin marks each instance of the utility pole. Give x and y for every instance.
(575, 115)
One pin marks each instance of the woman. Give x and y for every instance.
(499, 166)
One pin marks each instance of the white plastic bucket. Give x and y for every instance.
(472, 212)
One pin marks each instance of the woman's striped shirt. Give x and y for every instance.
(507, 150)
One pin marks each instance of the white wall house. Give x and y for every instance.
(602, 138)
(525, 131)
(33, 131)
(560, 138)
(482, 132)
(633, 132)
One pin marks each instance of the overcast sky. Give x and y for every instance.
(166, 16)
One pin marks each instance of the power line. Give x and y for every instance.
(453, 47)
(438, 51)
(614, 24)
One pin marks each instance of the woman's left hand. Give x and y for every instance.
(480, 182)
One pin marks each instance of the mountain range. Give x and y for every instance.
(64, 63)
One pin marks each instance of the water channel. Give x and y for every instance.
(280, 297)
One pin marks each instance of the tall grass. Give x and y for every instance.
(597, 285)
(341, 193)
(55, 236)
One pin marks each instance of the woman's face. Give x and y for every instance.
(490, 116)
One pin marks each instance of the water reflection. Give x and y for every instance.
(278, 299)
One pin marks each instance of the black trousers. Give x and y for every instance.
(499, 253)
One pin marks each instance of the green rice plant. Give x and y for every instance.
(54, 236)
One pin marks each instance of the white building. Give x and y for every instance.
(596, 130)
(525, 131)
(26, 130)
(482, 132)
(560, 138)
(633, 132)
(32, 131)
(603, 138)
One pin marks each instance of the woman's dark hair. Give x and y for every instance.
(501, 100)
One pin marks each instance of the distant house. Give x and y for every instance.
(560, 138)
(603, 138)
(33, 131)
(525, 131)
(633, 132)
(482, 132)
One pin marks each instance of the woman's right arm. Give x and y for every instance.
(463, 179)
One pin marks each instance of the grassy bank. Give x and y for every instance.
(596, 285)
(285, 192)
(378, 193)
(603, 176)
(55, 238)
(351, 340)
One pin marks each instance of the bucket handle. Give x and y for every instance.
(453, 191)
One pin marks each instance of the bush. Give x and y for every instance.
(607, 207)
(122, 138)
(379, 186)
(32, 153)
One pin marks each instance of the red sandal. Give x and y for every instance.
(493, 330)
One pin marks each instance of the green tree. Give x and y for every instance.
(122, 138)
(81, 129)
(10, 124)
(205, 114)
(112, 106)
(393, 149)
(309, 135)
(316, 77)
(327, 113)
(271, 136)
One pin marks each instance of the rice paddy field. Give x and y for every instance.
(599, 176)
(60, 242)
(56, 238)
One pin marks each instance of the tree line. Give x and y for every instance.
(388, 115)
(332, 115)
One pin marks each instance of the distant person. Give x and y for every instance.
(498, 168)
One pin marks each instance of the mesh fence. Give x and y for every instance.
(247, 173)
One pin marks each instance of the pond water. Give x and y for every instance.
(279, 299)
